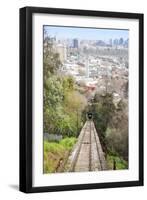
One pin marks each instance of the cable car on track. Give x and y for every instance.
(89, 115)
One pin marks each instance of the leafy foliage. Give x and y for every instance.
(63, 104)
(120, 163)
(51, 61)
(112, 125)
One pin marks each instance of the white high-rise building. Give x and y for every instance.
(61, 49)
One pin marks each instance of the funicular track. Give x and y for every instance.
(87, 154)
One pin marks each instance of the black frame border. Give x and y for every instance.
(25, 99)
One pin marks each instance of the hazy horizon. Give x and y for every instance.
(84, 33)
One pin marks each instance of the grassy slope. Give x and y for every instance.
(56, 153)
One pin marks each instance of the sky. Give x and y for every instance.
(86, 33)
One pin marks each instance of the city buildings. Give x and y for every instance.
(97, 66)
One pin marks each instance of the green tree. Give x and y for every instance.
(63, 104)
(112, 124)
(51, 60)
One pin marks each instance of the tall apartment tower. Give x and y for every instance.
(61, 49)
(75, 43)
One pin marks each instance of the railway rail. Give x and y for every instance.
(87, 154)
